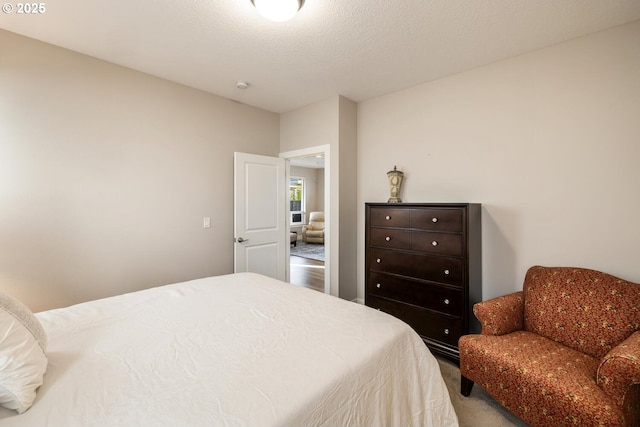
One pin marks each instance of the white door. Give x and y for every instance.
(260, 204)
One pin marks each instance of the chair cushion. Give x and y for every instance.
(539, 380)
(584, 309)
(316, 217)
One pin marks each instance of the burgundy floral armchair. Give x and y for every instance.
(564, 351)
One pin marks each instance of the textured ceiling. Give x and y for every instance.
(357, 48)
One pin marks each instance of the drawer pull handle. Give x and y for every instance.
(446, 272)
(434, 220)
(387, 217)
(378, 260)
(388, 239)
(378, 285)
(434, 243)
(446, 300)
(446, 332)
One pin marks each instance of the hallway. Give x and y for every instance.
(307, 272)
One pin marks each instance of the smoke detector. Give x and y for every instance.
(242, 85)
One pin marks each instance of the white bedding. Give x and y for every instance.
(235, 350)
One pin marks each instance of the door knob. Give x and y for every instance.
(240, 240)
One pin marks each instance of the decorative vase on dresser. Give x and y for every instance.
(424, 266)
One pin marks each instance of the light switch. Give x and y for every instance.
(207, 222)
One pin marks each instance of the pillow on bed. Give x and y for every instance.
(23, 358)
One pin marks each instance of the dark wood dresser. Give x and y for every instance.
(424, 265)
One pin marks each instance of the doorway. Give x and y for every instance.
(308, 177)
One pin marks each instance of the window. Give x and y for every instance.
(296, 200)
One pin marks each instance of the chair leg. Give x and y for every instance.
(465, 385)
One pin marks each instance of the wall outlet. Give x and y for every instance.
(206, 223)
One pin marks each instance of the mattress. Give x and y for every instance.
(233, 350)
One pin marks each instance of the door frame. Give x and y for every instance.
(307, 152)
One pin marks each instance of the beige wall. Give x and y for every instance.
(347, 166)
(310, 126)
(314, 191)
(106, 175)
(548, 142)
(320, 176)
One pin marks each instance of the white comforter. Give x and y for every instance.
(236, 350)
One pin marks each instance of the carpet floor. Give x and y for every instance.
(479, 409)
(308, 250)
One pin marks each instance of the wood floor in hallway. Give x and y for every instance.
(307, 272)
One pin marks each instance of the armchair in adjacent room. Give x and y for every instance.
(564, 351)
(313, 232)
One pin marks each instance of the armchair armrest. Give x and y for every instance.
(620, 368)
(501, 315)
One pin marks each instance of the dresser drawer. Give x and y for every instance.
(432, 219)
(437, 243)
(427, 267)
(446, 300)
(426, 323)
(390, 238)
(443, 219)
(390, 217)
(422, 241)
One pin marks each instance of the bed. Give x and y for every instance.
(232, 350)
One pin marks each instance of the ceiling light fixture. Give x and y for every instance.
(278, 10)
